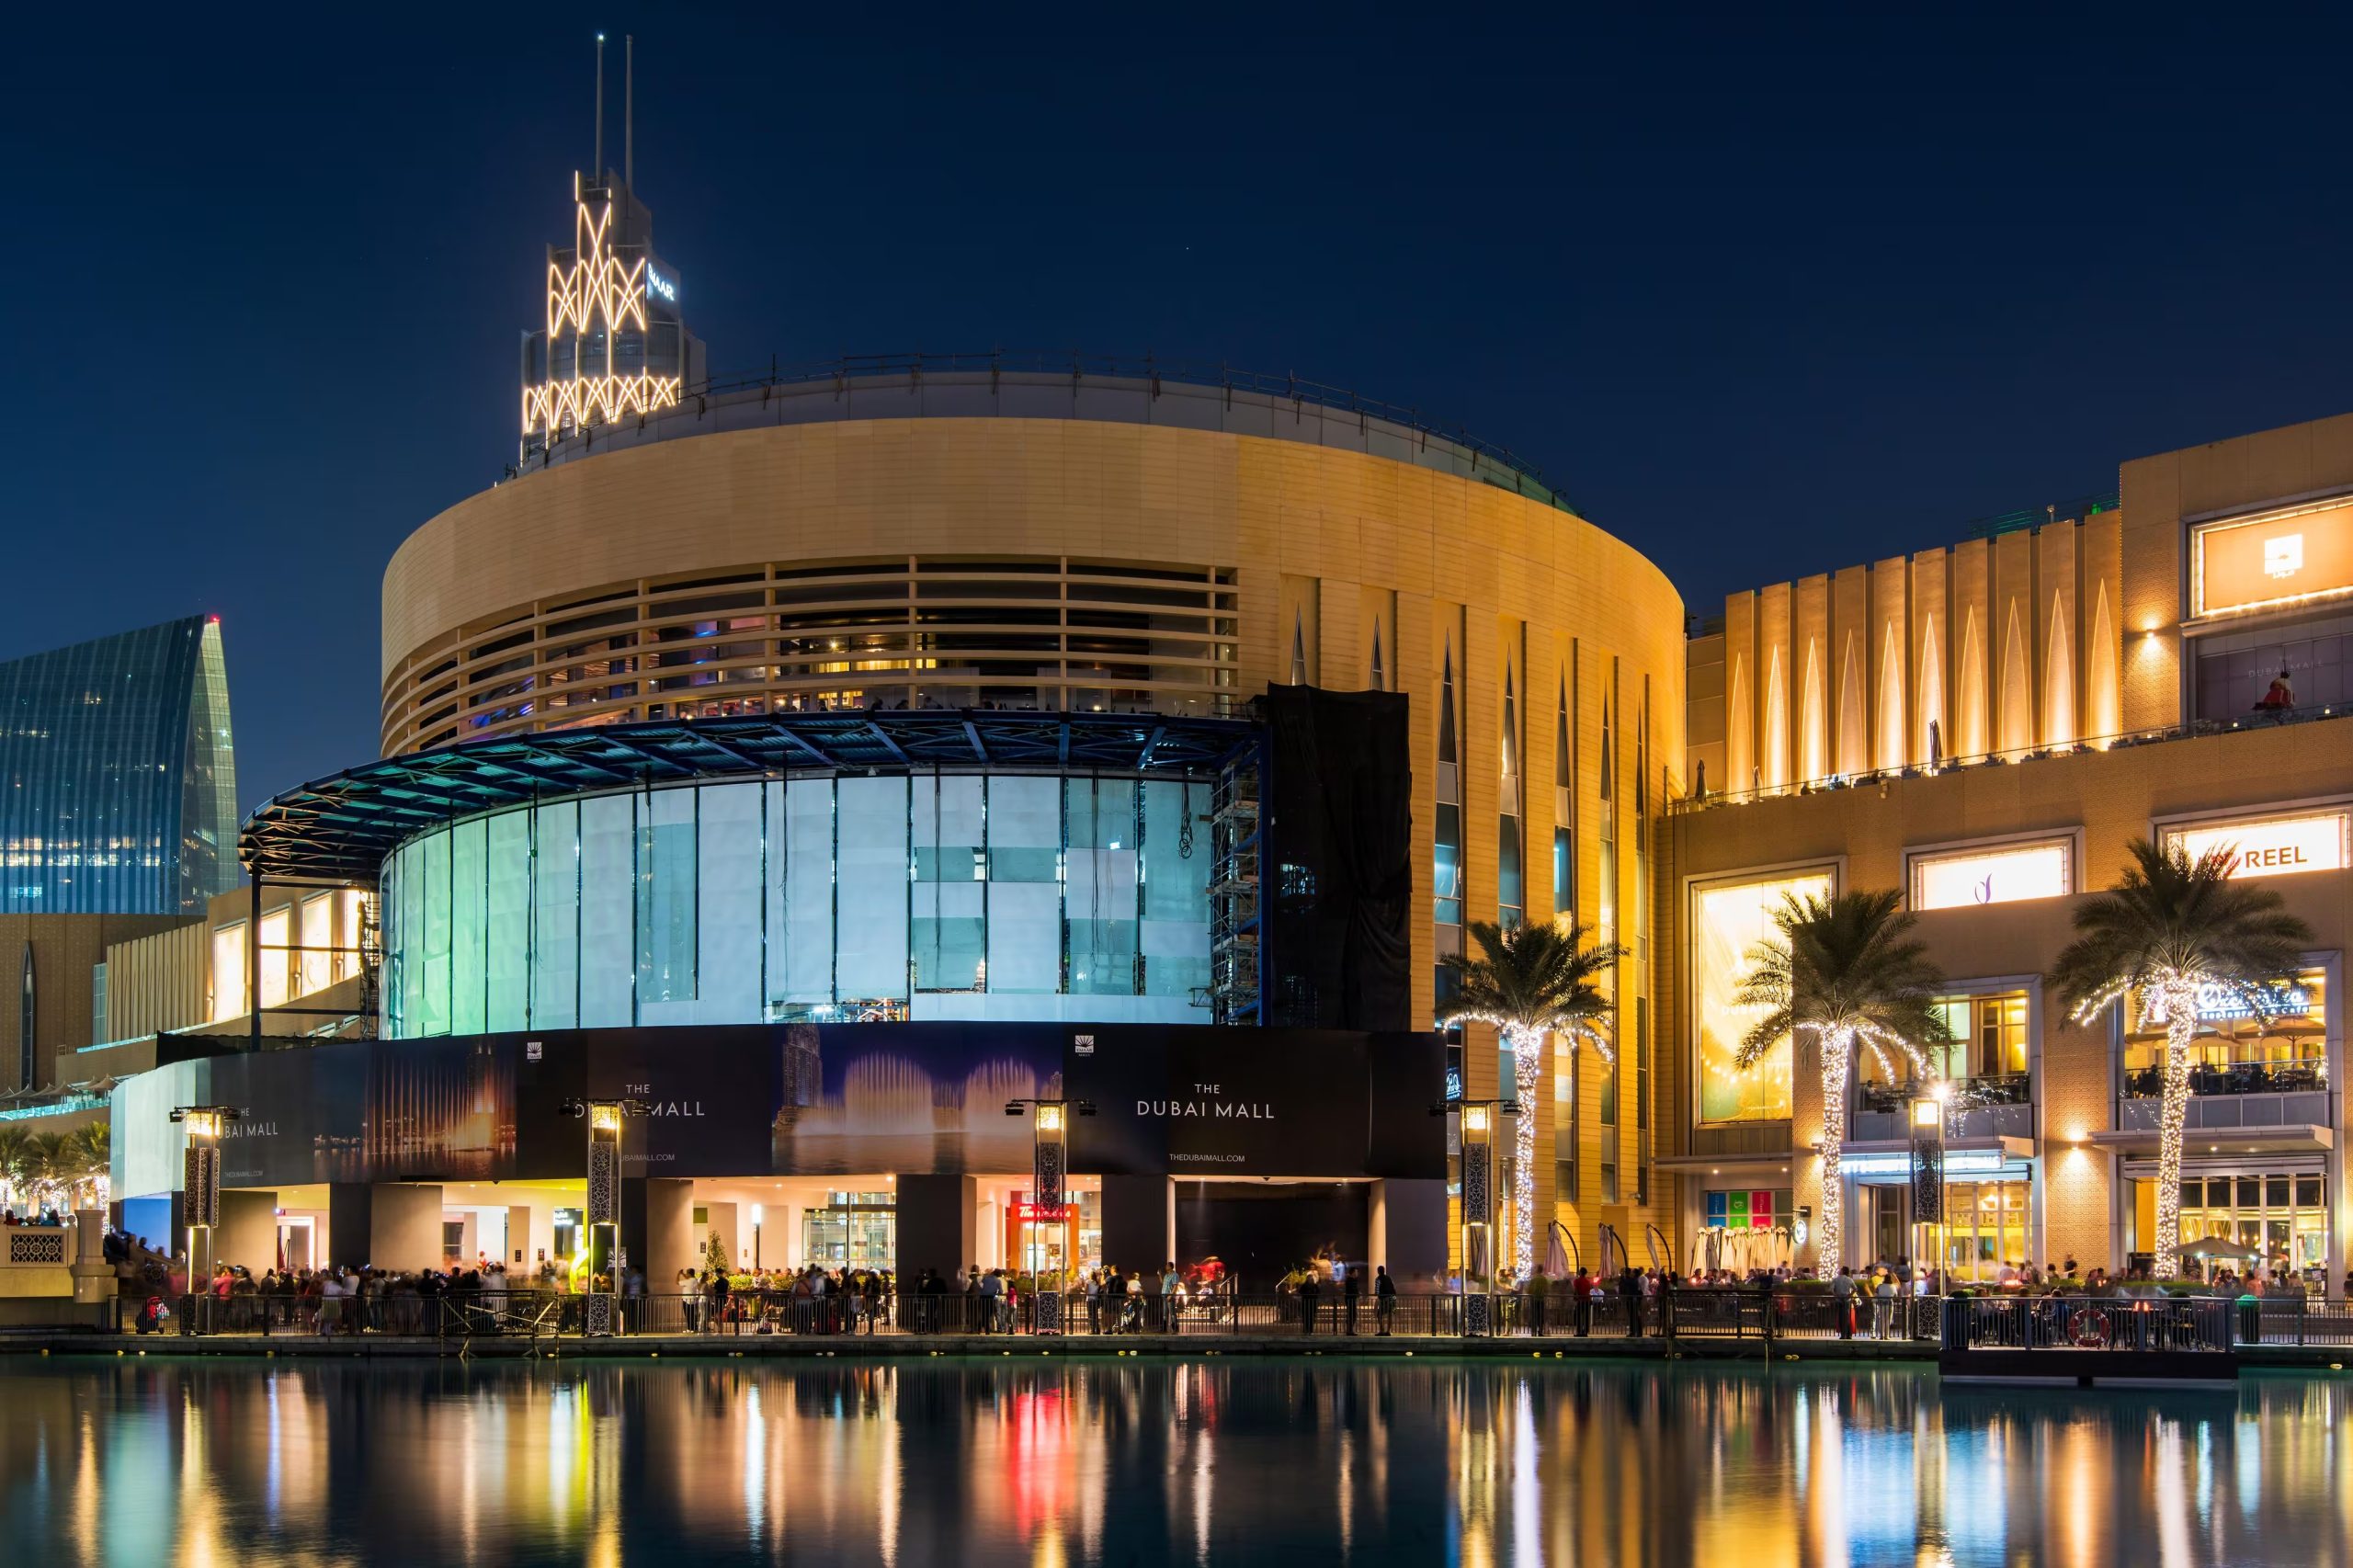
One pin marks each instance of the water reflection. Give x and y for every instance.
(1045, 1462)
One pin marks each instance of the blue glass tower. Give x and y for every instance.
(118, 785)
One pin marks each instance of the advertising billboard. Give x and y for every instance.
(2293, 556)
(2271, 846)
(1962, 877)
(804, 1099)
(1728, 920)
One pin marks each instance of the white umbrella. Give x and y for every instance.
(1556, 1256)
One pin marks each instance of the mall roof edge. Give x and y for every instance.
(341, 827)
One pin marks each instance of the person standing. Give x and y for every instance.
(1842, 1295)
(1629, 1293)
(1581, 1301)
(1351, 1286)
(1384, 1298)
(1531, 1293)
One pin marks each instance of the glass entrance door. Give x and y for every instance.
(1984, 1229)
(852, 1229)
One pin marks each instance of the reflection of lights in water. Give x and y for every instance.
(1527, 1526)
(755, 1448)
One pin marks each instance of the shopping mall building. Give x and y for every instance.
(1986, 727)
(827, 760)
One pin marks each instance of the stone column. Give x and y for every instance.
(94, 1277)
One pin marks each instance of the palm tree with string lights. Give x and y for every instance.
(1530, 982)
(1844, 972)
(2169, 928)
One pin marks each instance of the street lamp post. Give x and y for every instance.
(1048, 1174)
(604, 1205)
(1927, 1169)
(200, 1183)
(1477, 1206)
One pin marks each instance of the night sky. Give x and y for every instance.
(1763, 300)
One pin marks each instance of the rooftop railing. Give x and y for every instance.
(2191, 730)
(1490, 462)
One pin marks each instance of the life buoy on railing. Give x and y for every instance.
(2090, 1329)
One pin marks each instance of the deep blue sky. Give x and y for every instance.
(1763, 298)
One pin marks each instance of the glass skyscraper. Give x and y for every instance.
(117, 784)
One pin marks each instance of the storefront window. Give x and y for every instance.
(1986, 1062)
(2234, 1054)
(2282, 1215)
(1727, 923)
(1984, 1228)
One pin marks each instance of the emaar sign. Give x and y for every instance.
(660, 288)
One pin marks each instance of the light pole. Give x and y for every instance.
(1928, 1166)
(201, 1182)
(759, 1213)
(604, 1206)
(1049, 1170)
(1477, 1207)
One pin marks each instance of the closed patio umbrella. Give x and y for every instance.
(1556, 1256)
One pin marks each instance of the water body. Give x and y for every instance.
(1099, 1461)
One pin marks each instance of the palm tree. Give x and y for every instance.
(37, 1167)
(15, 1148)
(2167, 928)
(84, 1157)
(1846, 972)
(1528, 983)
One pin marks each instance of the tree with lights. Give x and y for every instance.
(1528, 983)
(2169, 928)
(1845, 972)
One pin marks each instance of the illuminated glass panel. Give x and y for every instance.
(1959, 879)
(317, 935)
(276, 936)
(2292, 557)
(742, 901)
(1727, 922)
(228, 972)
(2272, 847)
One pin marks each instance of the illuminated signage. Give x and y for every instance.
(596, 296)
(2293, 556)
(1957, 1161)
(2005, 875)
(2272, 847)
(2282, 1000)
(1728, 921)
(657, 285)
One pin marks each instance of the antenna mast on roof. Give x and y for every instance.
(629, 111)
(597, 173)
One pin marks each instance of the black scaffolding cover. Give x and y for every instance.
(1340, 844)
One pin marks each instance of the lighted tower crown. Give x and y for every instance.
(613, 344)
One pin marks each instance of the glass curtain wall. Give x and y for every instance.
(939, 896)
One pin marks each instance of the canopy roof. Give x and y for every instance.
(341, 827)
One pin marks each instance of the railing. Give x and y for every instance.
(2090, 1322)
(2073, 510)
(2188, 730)
(2303, 1076)
(845, 373)
(1965, 1094)
(1739, 1313)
